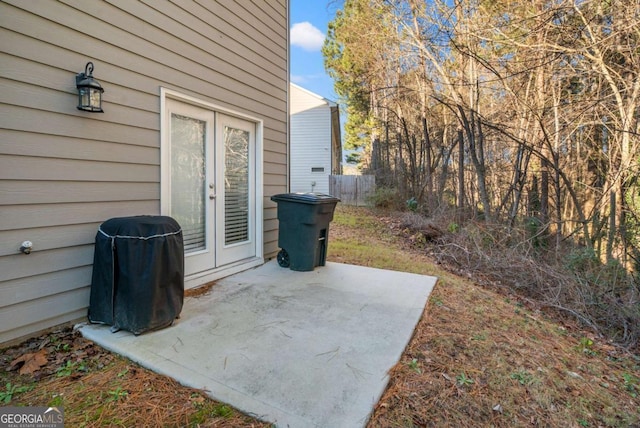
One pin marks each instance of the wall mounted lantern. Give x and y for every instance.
(89, 91)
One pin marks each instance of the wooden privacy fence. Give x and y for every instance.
(352, 189)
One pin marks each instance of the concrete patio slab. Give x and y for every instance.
(299, 349)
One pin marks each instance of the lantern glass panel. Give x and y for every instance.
(95, 99)
(83, 98)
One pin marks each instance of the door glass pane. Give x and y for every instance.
(188, 179)
(236, 185)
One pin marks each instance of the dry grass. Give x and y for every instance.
(570, 279)
(478, 358)
(481, 357)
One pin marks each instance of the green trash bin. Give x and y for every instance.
(303, 234)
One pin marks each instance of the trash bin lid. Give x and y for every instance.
(305, 198)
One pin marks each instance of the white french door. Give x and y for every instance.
(211, 184)
(236, 192)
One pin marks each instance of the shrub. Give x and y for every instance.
(385, 197)
(603, 296)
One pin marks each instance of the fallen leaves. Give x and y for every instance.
(30, 362)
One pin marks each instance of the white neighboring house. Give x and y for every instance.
(315, 142)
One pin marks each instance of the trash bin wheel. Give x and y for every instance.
(283, 258)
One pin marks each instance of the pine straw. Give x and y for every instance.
(201, 290)
(125, 394)
(530, 370)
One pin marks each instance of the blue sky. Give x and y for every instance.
(308, 27)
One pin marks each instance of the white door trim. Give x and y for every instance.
(165, 179)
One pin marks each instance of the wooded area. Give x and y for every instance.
(523, 114)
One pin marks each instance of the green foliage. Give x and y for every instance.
(581, 260)
(523, 377)
(69, 368)
(602, 278)
(64, 347)
(384, 197)
(66, 369)
(535, 230)
(210, 409)
(353, 158)
(56, 401)
(413, 365)
(116, 394)
(12, 390)
(412, 204)
(463, 380)
(631, 384)
(222, 411)
(350, 55)
(586, 346)
(632, 222)
(453, 227)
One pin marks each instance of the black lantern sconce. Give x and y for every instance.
(89, 91)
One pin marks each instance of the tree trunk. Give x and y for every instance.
(460, 176)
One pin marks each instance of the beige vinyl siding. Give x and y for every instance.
(63, 172)
(49, 238)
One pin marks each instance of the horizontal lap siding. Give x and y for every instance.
(310, 141)
(63, 172)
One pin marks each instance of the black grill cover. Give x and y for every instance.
(138, 273)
